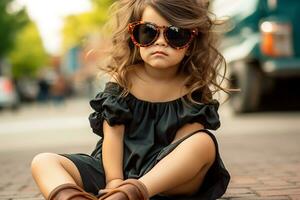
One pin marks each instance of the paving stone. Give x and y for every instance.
(294, 197)
(279, 192)
(260, 170)
(263, 198)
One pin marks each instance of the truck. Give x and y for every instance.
(261, 47)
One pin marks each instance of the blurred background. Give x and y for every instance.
(44, 52)
(49, 52)
(261, 46)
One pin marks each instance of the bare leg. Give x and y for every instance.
(183, 170)
(51, 170)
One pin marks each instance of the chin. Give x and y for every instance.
(160, 65)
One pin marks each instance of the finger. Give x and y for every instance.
(104, 191)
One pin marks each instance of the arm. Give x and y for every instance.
(112, 153)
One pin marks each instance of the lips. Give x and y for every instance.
(159, 53)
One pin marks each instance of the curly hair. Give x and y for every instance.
(202, 64)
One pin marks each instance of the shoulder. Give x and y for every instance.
(130, 75)
(205, 114)
(112, 78)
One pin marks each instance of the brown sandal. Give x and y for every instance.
(131, 189)
(70, 191)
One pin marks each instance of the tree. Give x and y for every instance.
(11, 21)
(29, 54)
(78, 27)
(100, 10)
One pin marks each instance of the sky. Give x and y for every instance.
(48, 14)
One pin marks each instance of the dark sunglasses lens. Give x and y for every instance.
(178, 37)
(144, 34)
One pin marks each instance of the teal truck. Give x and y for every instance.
(261, 46)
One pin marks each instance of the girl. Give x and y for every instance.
(153, 115)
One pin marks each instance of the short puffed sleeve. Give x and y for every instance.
(206, 114)
(110, 107)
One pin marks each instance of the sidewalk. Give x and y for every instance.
(258, 173)
(263, 166)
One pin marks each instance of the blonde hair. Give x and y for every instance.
(201, 65)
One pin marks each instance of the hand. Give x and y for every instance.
(110, 186)
(113, 183)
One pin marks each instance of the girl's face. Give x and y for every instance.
(160, 54)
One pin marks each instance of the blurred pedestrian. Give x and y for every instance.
(153, 115)
(59, 89)
(44, 90)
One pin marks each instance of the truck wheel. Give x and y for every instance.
(248, 78)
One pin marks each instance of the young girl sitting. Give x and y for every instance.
(153, 115)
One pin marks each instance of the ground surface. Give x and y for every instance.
(260, 150)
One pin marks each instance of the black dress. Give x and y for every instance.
(150, 128)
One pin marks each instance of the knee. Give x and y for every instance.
(41, 160)
(201, 148)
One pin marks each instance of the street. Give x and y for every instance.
(260, 150)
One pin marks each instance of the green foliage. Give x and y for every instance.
(102, 3)
(29, 54)
(10, 23)
(78, 27)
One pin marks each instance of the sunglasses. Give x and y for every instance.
(144, 34)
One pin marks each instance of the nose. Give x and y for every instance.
(161, 41)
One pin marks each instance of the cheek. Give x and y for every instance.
(143, 53)
(178, 55)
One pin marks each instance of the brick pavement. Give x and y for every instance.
(263, 167)
(16, 182)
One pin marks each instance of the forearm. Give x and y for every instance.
(112, 151)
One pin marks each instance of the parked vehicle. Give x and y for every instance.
(8, 94)
(262, 48)
(28, 89)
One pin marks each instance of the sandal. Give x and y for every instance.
(130, 189)
(70, 191)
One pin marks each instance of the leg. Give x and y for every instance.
(183, 170)
(51, 170)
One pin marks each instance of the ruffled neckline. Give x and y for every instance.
(130, 95)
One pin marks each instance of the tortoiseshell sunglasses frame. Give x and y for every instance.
(132, 25)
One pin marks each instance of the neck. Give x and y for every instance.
(161, 75)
